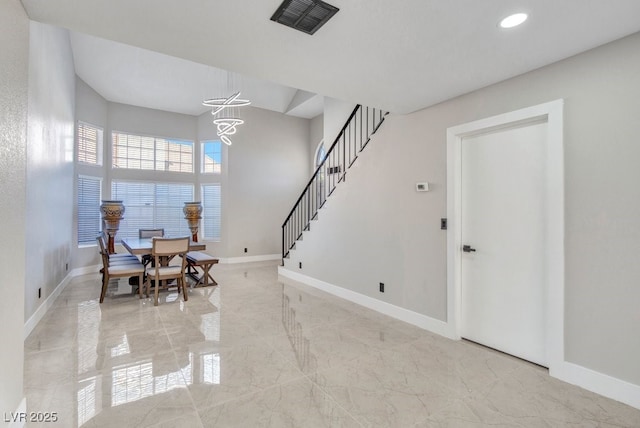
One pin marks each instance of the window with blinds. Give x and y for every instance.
(211, 211)
(211, 157)
(89, 149)
(151, 153)
(151, 205)
(89, 217)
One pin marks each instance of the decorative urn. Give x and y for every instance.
(112, 213)
(193, 213)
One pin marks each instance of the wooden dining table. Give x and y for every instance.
(141, 246)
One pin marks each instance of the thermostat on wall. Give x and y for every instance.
(422, 187)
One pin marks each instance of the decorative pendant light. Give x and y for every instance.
(224, 111)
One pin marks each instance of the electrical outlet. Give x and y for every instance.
(66, 267)
(39, 293)
(382, 287)
(299, 265)
(443, 223)
(245, 250)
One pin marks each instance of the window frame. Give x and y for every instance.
(203, 144)
(183, 229)
(99, 144)
(90, 241)
(156, 150)
(207, 216)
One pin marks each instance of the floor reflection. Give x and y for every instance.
(254, 351)
(142, 377)
(295, 334)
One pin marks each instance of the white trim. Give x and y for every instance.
(419, 320)
(21, 410)
(85, 270)
(31, 323)
(553, 113)
(600, 383)
(248, 259)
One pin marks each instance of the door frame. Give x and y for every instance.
(554, 186)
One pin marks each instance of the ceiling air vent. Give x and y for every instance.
(304, 15)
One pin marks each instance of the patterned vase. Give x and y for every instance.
(112, 213)
(192, 213)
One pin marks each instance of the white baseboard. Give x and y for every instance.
(44, 307)
(419, 320)
(247, 259)
(85, 270)
(34, 319)
(599, 383)
(18, 418)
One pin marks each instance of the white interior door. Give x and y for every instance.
(503, 289)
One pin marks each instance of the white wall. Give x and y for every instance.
(14, 57)
(378, 229)
(49, 210)
(336, 113)
(267, 168)
(93, 109)
(145, 121)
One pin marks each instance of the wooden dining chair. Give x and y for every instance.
(163, 250)
(114, 259)
(119, 269)
(102, 245)
(149, 233)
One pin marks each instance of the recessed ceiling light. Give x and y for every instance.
(513, 20)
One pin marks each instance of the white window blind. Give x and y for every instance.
(151, 153)
(89, 148)
(89, 217)
(211, 157)
(211, 211)
(151, 206)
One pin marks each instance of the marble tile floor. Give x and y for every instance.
(255, 351)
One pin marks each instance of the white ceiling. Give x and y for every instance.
(131, 75)
(400, 55)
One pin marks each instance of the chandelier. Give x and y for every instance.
(223, 110)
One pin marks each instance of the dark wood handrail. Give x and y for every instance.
(310, 201)
(326, 156)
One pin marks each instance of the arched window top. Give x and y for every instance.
(320, 154)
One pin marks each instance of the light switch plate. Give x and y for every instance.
(422, 187)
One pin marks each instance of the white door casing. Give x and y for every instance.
(552, 114)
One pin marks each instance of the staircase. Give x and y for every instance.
(352, 139)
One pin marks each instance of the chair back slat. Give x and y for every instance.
(169, 246)
(150, 233)
(103, 252)
(101, 244)
(163, 250)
